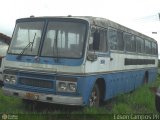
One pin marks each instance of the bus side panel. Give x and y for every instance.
(123, 82)
(116, 83)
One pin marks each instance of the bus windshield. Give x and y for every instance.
(64, 39)
(25, 33)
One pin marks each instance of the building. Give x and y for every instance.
(4, 38)
(4, 43)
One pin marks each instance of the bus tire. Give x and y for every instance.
(94, 98)
(145, 80)
(157, 103)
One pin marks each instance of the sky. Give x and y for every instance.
(140, 15)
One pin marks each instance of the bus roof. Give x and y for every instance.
(100, 22)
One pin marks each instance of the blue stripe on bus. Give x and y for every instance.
(45, 60)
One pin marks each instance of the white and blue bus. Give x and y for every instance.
(76, 60)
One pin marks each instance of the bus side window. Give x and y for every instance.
(112, 37)
(154, 48)
(103, 41)
(140, 44)
(98, 41)
(115, 37)
(148, 47)
(130, 42)
(120, 40)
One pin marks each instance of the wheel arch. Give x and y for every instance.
(102, 87)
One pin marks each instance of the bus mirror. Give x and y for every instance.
(96, 41)
(92, 57)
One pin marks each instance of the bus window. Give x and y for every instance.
(64, 39)
(24, 34)
(148, 46)
(102, 37)
(154, 48)
(116, 39)
(120, 40)
(130, 42)
(140, 45)
(112, 37)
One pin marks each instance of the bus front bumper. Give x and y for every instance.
(50, 98)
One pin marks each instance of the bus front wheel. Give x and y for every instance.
(94, 97)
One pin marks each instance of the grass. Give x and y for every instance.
(140, 101)
(10, 104)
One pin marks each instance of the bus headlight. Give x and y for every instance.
(72, 87)
(9, 79)
(12, 79)
(6, 78)
(62, 86)
(66, 86)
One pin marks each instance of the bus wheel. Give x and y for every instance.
(145, 80)
(157, 103)
(94, 97)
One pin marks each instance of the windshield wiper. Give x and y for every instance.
(27, 46)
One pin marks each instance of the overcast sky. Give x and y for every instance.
(140, 15)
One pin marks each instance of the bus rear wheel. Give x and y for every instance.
(94, 97)
(145, 80)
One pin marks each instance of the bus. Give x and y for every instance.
(76, 60)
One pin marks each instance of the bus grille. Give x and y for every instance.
(36, 83)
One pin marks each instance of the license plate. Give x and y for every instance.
(32, 96)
